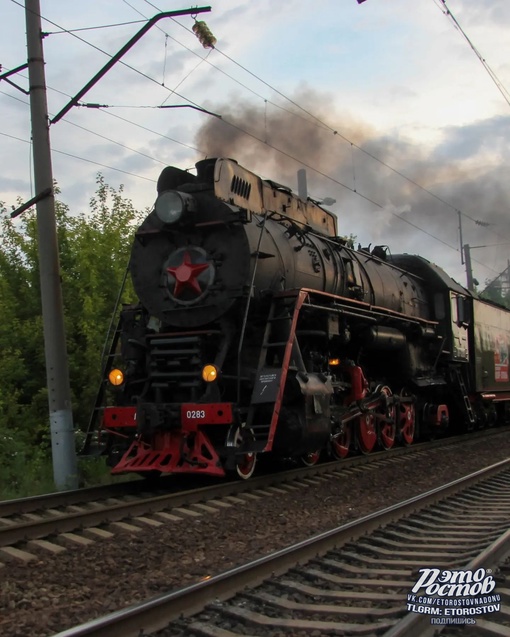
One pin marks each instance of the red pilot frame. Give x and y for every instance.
(185, 449)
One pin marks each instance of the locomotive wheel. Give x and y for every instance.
(311, 458)
(366, 432)
(407, 423)
(245, 463)
(388, 427)
(340, 444)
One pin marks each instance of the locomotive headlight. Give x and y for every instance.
(116, 377)
(209, 373)
(171, 205)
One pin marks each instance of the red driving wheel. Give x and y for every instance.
(341, 442)
(407, 420)
(366, 432)
(311, 458)
(388, 426)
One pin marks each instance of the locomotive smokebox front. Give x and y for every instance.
(190, 271)
(194, 255)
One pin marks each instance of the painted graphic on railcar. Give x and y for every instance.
(501, 359)
(492, 341)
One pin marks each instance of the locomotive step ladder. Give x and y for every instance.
(457, 379)
(107, 358)
(279, 353)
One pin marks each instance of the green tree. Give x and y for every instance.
(496, 293)
(94, 251)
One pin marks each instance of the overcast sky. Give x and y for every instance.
(363, 96)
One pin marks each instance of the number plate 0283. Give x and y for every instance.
(206, 414)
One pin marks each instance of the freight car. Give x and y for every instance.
(258, 330)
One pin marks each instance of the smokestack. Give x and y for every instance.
(205, 170)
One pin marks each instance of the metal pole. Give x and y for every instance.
(469, 271)
(115, 58)
(59, 394)
(460, 237)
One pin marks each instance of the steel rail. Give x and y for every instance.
(158, 612)
(415, 625)
(18, 506)
(12, 532)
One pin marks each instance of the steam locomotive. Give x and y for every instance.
(260, 331)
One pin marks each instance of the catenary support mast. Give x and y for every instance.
(59, 393)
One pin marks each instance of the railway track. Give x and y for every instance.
(357, 579)
(24, 523)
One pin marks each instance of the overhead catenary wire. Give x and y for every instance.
(318, 122)
(61, 152)
(100, 50)
(499, 84)
(123, 119)
(311, 168)
(89, 161)
(100, 135)
(95, 28)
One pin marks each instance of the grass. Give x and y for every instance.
(25, 476)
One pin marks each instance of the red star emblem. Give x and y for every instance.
(186, 275)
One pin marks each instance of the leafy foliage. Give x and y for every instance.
(497, 293)
(94, 251)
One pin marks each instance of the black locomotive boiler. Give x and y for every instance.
(258, 330)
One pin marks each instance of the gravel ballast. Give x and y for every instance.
(55, 592)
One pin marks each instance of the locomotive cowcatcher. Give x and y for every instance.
(259, 330)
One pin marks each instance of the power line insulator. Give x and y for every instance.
(204, 34)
